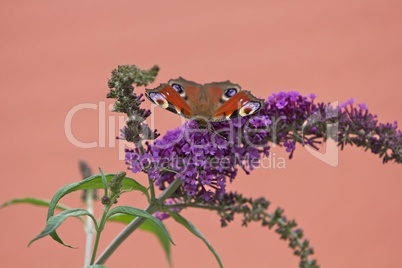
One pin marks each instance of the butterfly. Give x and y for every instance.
(214, 102)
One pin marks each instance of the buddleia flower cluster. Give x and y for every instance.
(206, 158)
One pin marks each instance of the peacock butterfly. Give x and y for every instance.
(216, 101)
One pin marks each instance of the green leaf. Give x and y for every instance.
(104, 181)
(32, 201)
(147, 226)
(189, 226)
(140, 213)
(55, 221)
(96, 266)
(93, 182)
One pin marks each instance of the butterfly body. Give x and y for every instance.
(216, 101)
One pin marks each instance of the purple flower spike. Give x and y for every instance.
(206, 158)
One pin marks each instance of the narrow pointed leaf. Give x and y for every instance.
(104, 181)
(55, 221)
(140, 213)
(147, 226)
(93, 182)
(32, 201)
(189, 226)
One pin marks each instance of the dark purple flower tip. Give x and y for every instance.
(161, 215)
(293, 95)
(346, 103)
(290, 146)
(362, 106)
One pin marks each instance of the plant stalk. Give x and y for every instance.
(89, 226)
(99, 231)
(130, 228)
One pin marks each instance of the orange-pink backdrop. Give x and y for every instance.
(58, 54)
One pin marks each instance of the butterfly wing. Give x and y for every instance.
(214, 101)
(176, 96)
(230, 101)
(242, 104)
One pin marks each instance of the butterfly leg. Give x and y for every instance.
(213, 130)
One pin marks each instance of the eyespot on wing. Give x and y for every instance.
(249, 108)
(159, 99)
(242, 103)
(168, 98)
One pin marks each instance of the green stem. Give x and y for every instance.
(152, 188)
(99, 231)
(152, 208)
(96, 244)
(89, 227)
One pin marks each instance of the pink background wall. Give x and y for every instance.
(55, 55)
